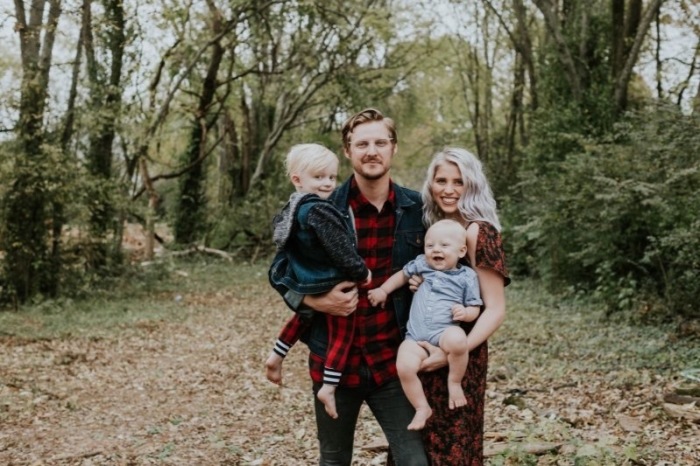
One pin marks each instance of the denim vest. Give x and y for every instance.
(408, 244)
(310, 270)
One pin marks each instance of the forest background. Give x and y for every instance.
(178, 113)
(166, 122)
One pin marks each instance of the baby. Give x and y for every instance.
(449, 294)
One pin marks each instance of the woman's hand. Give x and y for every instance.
(436, 359)
(340, 301)
(414, 282)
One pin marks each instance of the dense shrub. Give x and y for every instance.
(618, 218)
(246, 228)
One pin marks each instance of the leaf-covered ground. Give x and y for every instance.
(186, 386)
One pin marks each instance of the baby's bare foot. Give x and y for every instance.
(457, 398)
(327, 396)
(419, 419)
(273, 368)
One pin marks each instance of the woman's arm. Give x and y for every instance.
(493, 294)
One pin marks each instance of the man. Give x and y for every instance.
(387, 220)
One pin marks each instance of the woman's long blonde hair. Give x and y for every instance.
(476, 203)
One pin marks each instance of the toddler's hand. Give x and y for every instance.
(465, 314)
(368, 280)
(377, 297)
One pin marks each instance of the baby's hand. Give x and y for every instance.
(377, 297)
(465, 314)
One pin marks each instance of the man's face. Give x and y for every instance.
(371, 150)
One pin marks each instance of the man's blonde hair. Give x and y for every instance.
(303, 158)
(367, 115)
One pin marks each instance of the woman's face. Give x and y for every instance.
(447, 189)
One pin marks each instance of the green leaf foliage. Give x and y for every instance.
(618, 217)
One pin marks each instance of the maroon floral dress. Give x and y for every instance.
(456, 437)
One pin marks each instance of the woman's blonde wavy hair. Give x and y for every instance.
(477, 201)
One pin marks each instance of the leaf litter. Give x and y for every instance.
(193, 391)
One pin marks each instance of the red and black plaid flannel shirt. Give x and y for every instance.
(376, 339)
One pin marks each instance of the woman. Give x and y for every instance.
(456, 188)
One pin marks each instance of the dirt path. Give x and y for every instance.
(193, 392)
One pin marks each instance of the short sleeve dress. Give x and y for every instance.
(456, 437)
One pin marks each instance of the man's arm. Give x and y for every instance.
(340, 301)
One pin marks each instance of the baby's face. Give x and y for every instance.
(444, 247)
(320, 181)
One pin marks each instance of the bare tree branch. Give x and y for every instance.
(552, 21)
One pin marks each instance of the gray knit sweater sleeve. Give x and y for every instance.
(337, 241)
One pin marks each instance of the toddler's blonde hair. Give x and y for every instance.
(303, 158)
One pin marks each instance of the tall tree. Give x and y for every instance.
(288, 57)
(105, 103)
(570, 28)
(190, 208)
(307, 52)
(26, 234)
(637, 26)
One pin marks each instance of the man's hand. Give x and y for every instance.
(340, 301)
(414, 282)
(436, 359)
(465, 314)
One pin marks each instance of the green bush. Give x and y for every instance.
(246, 228)
(618, 218)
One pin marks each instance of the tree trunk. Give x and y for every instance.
(523, 38)
(691, 72)
(622, 80)
(520, 39)
(617, 29)
(515, 113)
(555, 26)
(26, 232)
(105, 98)
(151, 214)
(189, 221)
(69, 122)
(232, 167)
(657, 57)
(248, 139)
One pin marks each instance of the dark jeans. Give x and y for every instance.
(392, 411)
